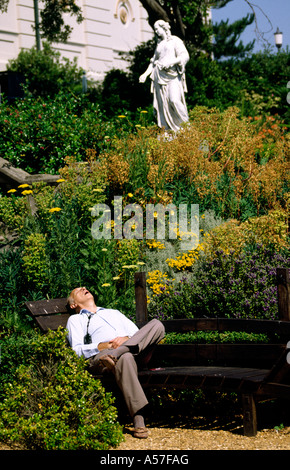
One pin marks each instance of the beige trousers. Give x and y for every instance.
(140, 346)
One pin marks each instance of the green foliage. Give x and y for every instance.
(16, 349)
(34, 259)
(37, 135)
(212, 83)
(234, 82)
(215, 337)
(52, 23)
(225, 285)
(54, 404)
(11, 289)
(45, 72)
(226, 36)
(12, 211)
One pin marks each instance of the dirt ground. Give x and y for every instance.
(192, 439)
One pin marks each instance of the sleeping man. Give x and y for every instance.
(112, 342)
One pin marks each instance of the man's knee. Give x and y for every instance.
(158, 325)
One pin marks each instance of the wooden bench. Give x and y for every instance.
(255, 371)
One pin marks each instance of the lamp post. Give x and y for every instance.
(36, 21)
(278, 39)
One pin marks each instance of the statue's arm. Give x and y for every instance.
(147, 72)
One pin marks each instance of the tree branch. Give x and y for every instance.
(155, 11)
(259, 33)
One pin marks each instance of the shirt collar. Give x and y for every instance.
(85, 311)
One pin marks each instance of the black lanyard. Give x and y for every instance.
(87, 337)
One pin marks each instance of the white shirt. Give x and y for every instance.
(105, 325)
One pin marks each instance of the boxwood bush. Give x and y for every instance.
(51, 402)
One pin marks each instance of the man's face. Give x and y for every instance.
(81, 295)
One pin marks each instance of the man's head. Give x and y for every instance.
(80, 298)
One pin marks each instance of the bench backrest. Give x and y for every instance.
(49, 314)
(251, 354)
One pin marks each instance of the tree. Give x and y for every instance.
(188, 20)
(52, 25)
(226, 36)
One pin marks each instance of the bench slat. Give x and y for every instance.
(52, 322)
(227, 324)
(204, 377)
(275, 390)
(47, 307)
(252, 355)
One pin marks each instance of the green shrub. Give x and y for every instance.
(52, 403)
(12, 290)
(12, 211)
(35, 260)
(37, 134)
(215, 337)
(45, 72)
(228, 285)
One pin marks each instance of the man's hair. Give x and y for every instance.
(70, 299)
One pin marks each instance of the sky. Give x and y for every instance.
(278, 12)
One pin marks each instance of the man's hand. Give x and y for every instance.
(115, 343)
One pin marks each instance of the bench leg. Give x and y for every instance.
(250, 415)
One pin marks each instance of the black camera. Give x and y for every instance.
(87, 339)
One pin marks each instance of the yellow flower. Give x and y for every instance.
(27, 191)
(116, 278)
(24, 186)
(185, 260)
(98, 190)
(155, 244)
(61, 180)
(55, 209)
(159, 283)
(130, 194)
(121, 116)
(11, 191)
(144, 112)
(107, 284)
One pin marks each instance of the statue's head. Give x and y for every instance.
(164, 26)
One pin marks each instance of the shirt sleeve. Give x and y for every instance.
(76, 339)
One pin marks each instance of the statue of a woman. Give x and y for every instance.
(166, 70)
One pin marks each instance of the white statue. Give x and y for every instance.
(166, 70)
